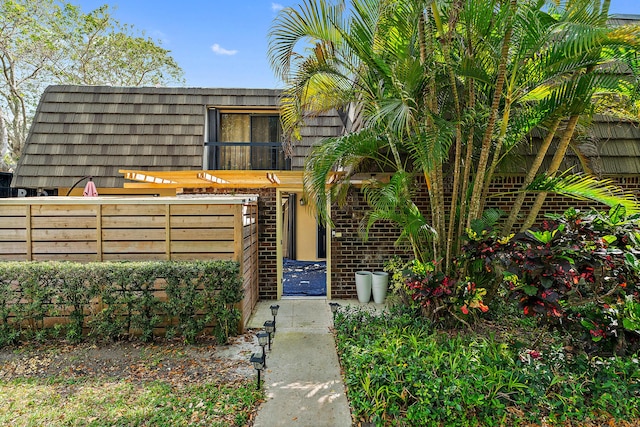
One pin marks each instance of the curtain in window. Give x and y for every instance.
(234, 128)
(266, 129)
(246, 128)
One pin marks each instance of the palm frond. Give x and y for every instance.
(432, 145)
(392, 202)
(586, 187)
(489, 220)
(312, 20)
(344, 153)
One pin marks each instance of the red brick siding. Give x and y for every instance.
(350, 254)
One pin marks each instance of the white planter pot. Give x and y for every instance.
(379, 286)
(363, 285)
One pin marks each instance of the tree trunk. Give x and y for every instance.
(531, 174)
(450, 243)
(474, 205)
(553, 168)
(434, 176)
(497, 150)
(466, 175)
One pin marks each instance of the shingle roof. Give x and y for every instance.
(615, 150)
(612, 149)
(96, 130)
(624, 19)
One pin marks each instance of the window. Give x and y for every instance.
(239, 140)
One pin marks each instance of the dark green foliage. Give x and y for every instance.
(186, 304)
(399, 370)
(73, 292)
(196, 301)
(114, 300)
(112, 318)
(35, 294)
(578, 271)
(8, 334)
(224, 300)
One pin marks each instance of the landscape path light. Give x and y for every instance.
(263, 339)
(270, 327)
(258, 363)
(334, 308)
(274, 312)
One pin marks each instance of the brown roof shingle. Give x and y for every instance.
(97, 130)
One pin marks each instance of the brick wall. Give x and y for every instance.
(268, 270)
(504, 187)
(350, 254)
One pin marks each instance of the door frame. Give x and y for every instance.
(280, 253)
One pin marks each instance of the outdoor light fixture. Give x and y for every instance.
(258, 363)
(270, 327)
(334, 308)
(263, 339)
(274, 312)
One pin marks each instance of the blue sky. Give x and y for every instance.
(222, 43)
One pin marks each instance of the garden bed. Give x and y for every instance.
(506, 371)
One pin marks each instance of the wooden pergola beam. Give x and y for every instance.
(217, 179)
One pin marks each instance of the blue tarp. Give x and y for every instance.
(304, 278)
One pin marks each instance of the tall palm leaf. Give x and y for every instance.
(585, 187)
(426, 78)
(343, 153)
(393, 202)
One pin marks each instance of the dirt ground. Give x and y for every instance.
(171, 361)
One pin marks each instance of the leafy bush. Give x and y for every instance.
(212, 294)
(119, 299)
(578, 270)
(399, 370)
(398, 291)
(442, 297)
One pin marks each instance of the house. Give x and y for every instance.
(102, 132)
(167, 141)
(84, 130)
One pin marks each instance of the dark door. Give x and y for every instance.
(322, 241)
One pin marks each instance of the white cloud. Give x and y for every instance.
(276, 7)
(219, 50)
(159, 35)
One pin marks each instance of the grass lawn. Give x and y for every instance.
(132, 384)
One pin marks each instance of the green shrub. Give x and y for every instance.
(112, 317)
(188, 303)
(8, 333)
(399, 370)
(577, 270)
(223, 298)
(73, 291)
(113, 300)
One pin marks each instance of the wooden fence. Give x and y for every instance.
(137, 228)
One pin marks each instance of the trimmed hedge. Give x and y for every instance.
(114, 300)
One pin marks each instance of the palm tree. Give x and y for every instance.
(443, 90)
(351, 64)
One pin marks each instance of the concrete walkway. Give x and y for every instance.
(302, 379)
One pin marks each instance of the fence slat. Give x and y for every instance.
(202, 233)
(202, 221)
(133, 234)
